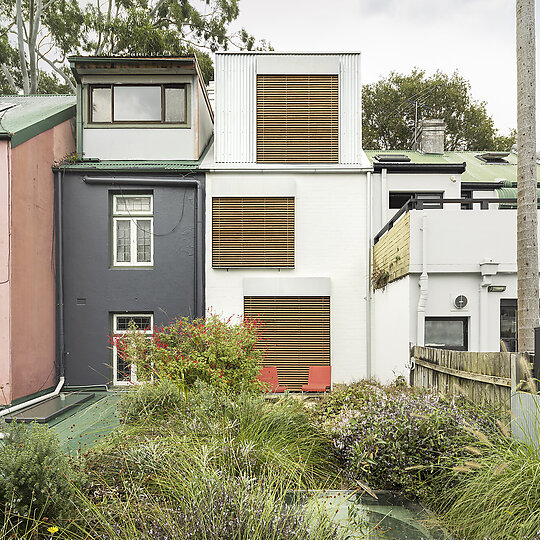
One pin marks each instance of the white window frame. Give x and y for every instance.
(133, 218)
(116, 332)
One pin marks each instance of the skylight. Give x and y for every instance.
(392, 158)
(494, 157)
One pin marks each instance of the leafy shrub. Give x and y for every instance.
(211, 350)
(400, 438)
(36, 477)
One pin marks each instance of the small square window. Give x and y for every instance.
(133, 230)
(447, 333)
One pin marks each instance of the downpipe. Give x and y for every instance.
(424, 289)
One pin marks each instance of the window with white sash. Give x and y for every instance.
(133, 230)
(124, 372)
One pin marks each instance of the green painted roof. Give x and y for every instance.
(476, 169)
(131, 165)
(24, 117)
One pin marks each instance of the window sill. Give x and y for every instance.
(135, 125)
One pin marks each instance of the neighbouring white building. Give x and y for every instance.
(444, 262)
(286, 212)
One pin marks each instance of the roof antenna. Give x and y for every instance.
(416, 105)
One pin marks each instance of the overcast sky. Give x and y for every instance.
(475, 37)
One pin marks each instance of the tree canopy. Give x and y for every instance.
(389, 108)
(42, 33)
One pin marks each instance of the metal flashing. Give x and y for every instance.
(409, 167)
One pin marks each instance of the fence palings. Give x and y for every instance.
(483, 377)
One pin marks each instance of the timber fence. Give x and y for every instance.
(482, 377)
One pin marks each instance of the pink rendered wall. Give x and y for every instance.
(33, 301)
(5, 359)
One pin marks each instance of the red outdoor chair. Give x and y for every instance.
(319, 379)
(269, 376)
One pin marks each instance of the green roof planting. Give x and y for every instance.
(24, 117)
(476, 169)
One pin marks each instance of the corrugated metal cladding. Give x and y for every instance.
(235, 119)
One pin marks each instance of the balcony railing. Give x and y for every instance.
(420, 204)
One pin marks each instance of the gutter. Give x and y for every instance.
(409, 167)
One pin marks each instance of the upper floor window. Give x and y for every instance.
(159, 103)
(133, 230)
(297, 119)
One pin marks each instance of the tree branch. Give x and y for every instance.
(9, 78)
(57, 70)
(20, 46)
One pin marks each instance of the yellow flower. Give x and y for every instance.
(52, 530)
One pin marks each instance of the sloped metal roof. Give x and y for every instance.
(24, 117)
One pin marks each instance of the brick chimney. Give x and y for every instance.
(430, 136)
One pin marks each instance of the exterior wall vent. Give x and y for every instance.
(460, 301)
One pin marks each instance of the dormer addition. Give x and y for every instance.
(281, 110)
(141, 109)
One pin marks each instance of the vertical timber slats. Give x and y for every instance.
(253, 232)
(295, 332)
(297, 119)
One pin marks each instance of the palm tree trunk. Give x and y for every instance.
(527, 213)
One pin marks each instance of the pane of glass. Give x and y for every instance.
(123, 241)
(508, 322)
(101, 105)
(143, 322)
(446, 333)
(175, 105)
(123, 368)
(133, 204)
(144, 240)
(137, 103)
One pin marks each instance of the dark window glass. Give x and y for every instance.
(509, 324)
(446, 333)
(398, 198)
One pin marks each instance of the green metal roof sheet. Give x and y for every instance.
(130, 166)
(24, 117)
(476, 169)
(511, 193)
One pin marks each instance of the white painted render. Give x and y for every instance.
(235, 110)
(391, 322)
(205, 122)
(139, 144)
(383, 184)
(327, 246)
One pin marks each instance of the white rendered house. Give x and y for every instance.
(286, 214)
(444, 263)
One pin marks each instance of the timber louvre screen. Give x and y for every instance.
(297, 119)
(296, 334)
(252, 232)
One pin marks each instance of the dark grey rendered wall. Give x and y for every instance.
(173, 287)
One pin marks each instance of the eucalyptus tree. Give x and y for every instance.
(34, 32)
(392, 106)
(527, 212)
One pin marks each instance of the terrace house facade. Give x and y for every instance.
(287, 210)
(131, 219)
